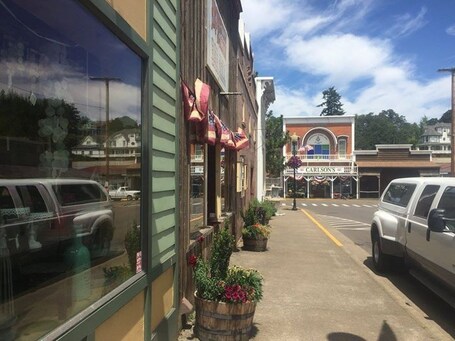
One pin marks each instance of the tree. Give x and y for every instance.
(120, 123)
(53, 121)
(275, 140)
(387, 127)
(446, 117)
(332, 105)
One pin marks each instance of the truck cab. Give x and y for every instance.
(415, 222)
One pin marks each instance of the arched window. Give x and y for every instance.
(318, 146)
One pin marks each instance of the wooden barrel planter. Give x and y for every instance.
(219, 321)
(255, 244)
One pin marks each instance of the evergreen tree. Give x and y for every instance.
(332, 103)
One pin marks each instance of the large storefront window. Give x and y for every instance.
(70, 164)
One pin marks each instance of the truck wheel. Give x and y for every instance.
(129, 198)
(381, 261)
(100, 243)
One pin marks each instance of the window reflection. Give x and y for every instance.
(70, 130)
(197, 186)
(223, 177)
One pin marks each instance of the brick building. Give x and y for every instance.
(324, 145)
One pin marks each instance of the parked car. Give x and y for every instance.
(415, 221)
(49, 214)
(124, 193)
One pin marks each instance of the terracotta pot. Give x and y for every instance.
(219, 321)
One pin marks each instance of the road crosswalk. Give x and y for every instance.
(337, 205)
(344, 224)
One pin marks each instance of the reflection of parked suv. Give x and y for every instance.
(415, 221)
(45, 214)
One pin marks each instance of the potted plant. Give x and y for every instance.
(255, 237)
(256, 230)
(225, 297)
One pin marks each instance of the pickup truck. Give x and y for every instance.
(124, 193)
(40, 216)
(415, 222)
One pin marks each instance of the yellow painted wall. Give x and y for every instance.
(162, 296)
(134, 12)
(126, 324)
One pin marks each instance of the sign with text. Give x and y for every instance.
(217, 45)
(324, 170)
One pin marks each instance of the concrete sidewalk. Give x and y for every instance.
(315, 290)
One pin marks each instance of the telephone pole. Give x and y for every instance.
(106, 81)
(452, 126)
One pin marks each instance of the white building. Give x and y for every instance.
(437, 139)
(265, 94)
(124, 145)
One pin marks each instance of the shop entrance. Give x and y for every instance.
(319, 188)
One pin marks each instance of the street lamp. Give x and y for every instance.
(452, 128)
(294, 140)
(106, 81)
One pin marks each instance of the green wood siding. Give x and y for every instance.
(164, 131)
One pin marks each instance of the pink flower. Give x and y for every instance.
(192, 261)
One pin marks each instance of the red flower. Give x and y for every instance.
(200, 239)
(192, 261)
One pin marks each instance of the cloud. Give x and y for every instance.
(332, 56)
(392, 90)
(70, 84)
(407, 24)
(451, 30)
(406, 97)
(265, 16)
(294, 103)
(313, 48)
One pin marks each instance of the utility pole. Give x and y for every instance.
(106, 81)
(452, 126)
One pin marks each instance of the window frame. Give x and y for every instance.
(83, 324)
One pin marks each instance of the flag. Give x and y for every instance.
(202, 92)
(188, 98)
(240, 139)
(230, 144)
(211, 128)
(222, 131)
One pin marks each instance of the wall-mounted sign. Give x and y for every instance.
(323, 170)
(217, 45)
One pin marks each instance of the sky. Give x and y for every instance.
(378, 54)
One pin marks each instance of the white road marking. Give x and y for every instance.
(354, 228)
